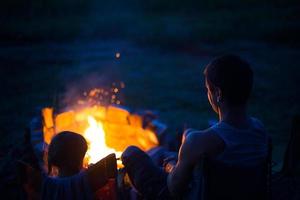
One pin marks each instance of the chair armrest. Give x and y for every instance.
(99, 173)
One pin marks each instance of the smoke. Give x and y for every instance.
(88, 85)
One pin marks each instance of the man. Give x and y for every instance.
(235, 139)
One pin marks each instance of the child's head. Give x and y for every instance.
(66, 152)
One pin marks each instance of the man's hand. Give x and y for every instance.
(170, 163)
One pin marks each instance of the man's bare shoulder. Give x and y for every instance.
(204, 142)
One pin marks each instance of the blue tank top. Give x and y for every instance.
(242, 146)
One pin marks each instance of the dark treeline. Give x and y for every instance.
(64, 7)
(151, 21)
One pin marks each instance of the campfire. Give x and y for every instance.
(106, 128)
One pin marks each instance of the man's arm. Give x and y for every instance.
(193, 148)
(180, 174)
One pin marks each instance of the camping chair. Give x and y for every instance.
(213, 180)
(291, 163)
(102, 178)
(286, 181)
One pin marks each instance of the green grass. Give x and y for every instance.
(169, 45)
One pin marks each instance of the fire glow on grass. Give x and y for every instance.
(106, 128)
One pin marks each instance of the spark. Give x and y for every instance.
(122, 85)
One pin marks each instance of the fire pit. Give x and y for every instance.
(106, 129)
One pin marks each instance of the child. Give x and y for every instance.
(65, 159)
(66, 152)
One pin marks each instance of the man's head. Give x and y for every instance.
(228, 80)
(66, 152)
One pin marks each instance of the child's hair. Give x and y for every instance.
(66, 150)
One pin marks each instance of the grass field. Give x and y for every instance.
(48, 49)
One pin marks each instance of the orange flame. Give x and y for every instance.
(95, 137)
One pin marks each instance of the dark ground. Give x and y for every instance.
(49, 49)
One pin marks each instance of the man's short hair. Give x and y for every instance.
(67, 149)
(233, 76)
